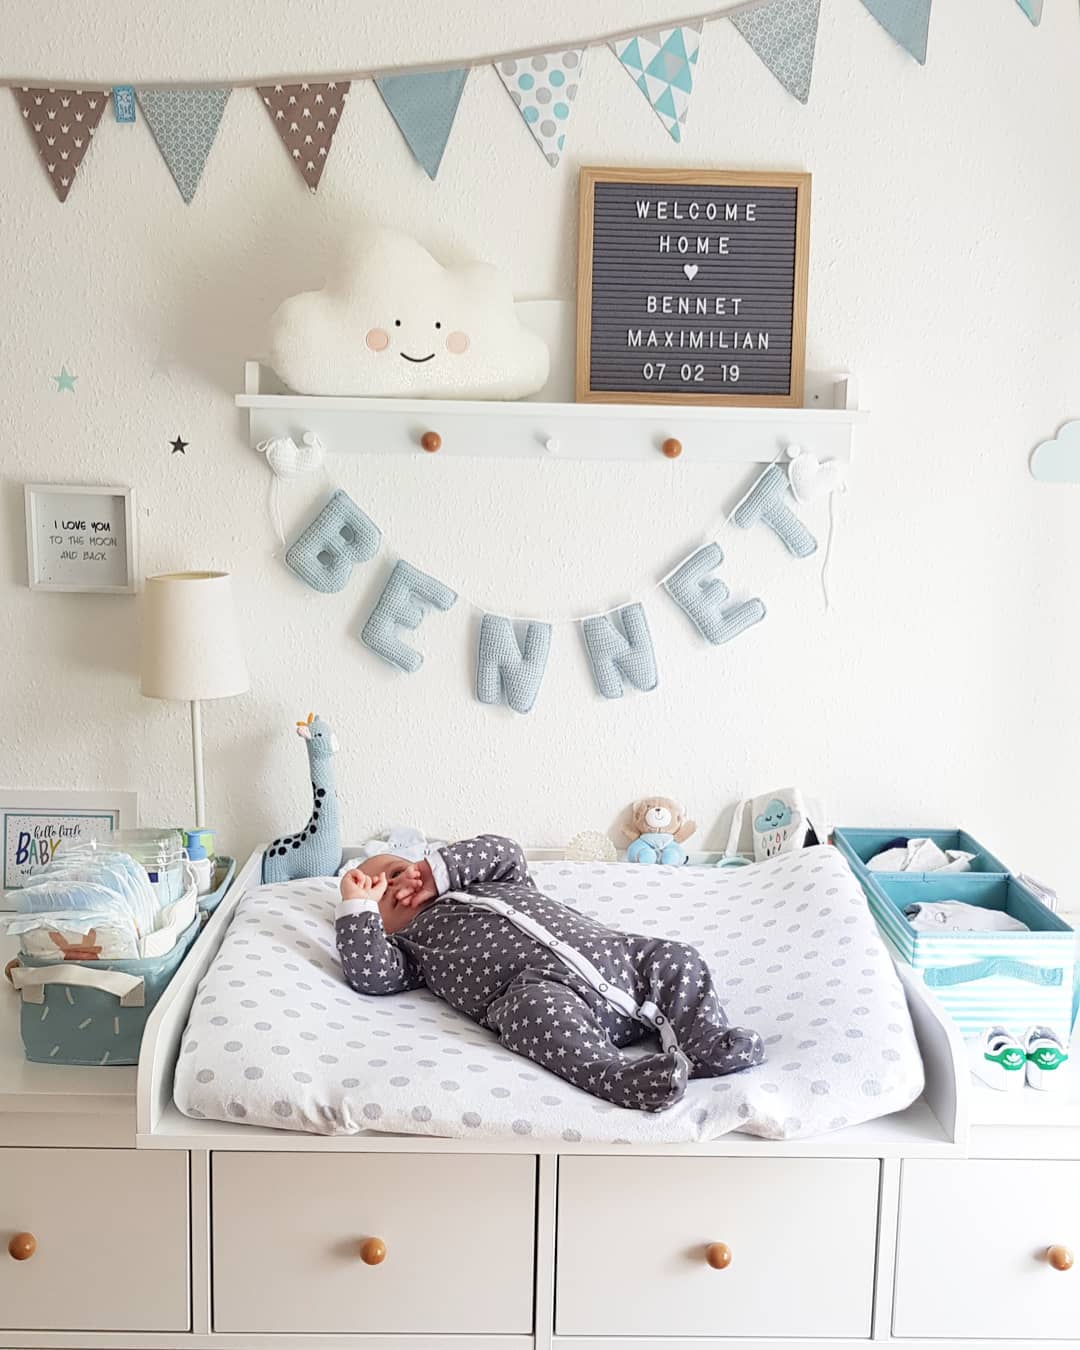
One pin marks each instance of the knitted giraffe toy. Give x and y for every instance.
(316, 850)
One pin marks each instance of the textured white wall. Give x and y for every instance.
(943, 271)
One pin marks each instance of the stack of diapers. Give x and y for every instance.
(95, 904)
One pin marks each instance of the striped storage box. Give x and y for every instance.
(1017, 979)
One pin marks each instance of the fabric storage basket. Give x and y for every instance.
(92, 1012)
(1018, 979)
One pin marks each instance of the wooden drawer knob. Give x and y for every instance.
(1059, 1257)
(373, 1251)
(672, 448)
(431, 441)
(718, 1255)
(22, 1246)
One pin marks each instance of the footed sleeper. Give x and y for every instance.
(562, 989)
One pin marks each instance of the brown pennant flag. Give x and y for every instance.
(62, 123)
(306, 117)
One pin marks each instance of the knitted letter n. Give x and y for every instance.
(339, 537)
(765, 502)
(617, 656)
(702, 598)
(505, 669)
(403, 604)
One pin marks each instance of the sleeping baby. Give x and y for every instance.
(470, 924)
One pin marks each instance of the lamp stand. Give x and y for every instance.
(197, 763)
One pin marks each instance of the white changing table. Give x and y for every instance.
(938, 1225)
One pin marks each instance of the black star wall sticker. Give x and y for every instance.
(179, 446)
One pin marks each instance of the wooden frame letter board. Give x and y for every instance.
(692, 286)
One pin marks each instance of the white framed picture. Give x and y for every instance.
(35, 826)
(80, 538)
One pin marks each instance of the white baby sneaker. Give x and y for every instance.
(1046, 1058)
(998, 1059)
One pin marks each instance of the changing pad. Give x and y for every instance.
(277, 1038)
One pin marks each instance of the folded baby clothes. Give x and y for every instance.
(920, 855)
(956, 916)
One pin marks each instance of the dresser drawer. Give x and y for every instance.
(110, 1240)
(972, 1255)
(636, 1236)
(457, 1232)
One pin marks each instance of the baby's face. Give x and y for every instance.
(395, 915)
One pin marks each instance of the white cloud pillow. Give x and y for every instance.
(393, 322)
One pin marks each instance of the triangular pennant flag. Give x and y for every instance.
(62, 123)
(1033, 9)
(661, 63)
(306, 117)
(907, 21)
(184, 123)
(784, 33)
(423, 105)
(544, 87)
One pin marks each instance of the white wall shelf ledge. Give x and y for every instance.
(551, 425)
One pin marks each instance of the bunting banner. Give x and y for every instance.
(906, 21)
(424, 106)
(784, 34)
(544, 87)
(62, 123)
(661, 63)
(184, 123)
(306, 116)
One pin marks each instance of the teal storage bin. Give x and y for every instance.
(92, 1012)
(859, 846)
(1018, 979)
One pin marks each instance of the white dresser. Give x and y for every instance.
(950, 1226)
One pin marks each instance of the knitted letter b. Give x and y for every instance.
(702, 597)
(403, 605)
(615, 657)
(503, 668)
(339, 537)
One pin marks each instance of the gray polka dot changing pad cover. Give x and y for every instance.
(277, 1038)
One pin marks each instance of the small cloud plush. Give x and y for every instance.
(393, 322)
(1058, 461)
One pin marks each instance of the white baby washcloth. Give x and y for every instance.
(921, 855)
(956, 916)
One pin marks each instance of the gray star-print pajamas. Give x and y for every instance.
(560, 988)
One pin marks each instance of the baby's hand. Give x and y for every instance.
(414, 886)
(357, 885)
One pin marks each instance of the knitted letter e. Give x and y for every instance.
(403, 604)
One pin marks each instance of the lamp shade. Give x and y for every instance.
(190, 646)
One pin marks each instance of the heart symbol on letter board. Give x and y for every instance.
(691, 270)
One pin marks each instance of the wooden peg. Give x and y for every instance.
(373, 1251)
(718, 1255)
(672, 448)
(22, 1246)
(431, 441)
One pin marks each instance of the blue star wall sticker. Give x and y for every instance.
(65, 380)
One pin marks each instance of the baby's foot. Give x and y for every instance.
(728, 1051)
(653, 1082)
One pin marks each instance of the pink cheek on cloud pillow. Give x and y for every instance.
(378, 339)
(457, 342)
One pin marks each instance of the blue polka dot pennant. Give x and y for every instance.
(661, 63)
(184, 123)
(544, 87)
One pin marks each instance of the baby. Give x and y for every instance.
(470, 924)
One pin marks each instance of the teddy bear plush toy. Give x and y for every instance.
(657, 830)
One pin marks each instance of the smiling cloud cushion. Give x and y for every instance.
(393, 322)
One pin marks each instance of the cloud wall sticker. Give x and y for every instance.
(393, 322)
(1058, 461)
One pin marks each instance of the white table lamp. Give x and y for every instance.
(191, 650)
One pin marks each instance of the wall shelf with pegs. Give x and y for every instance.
(551, 425)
